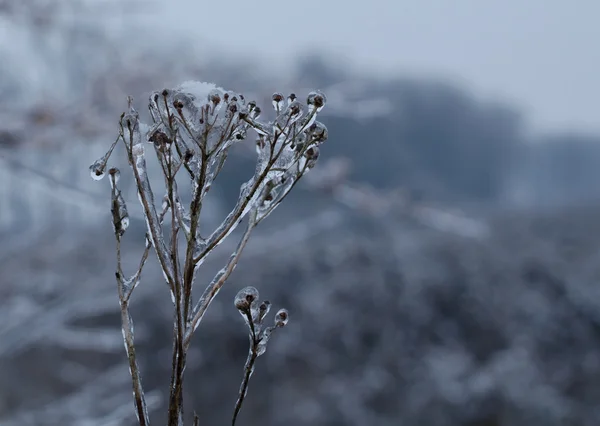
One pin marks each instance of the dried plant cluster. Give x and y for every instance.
(193, 129)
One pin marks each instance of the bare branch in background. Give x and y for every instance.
(194, 126)
(396, 203)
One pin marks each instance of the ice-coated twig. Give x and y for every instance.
(137, 161)
(125, 289)
(126, 320)
(141, 408)
(246, 301)
(213, 288)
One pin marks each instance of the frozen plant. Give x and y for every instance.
(193, 127)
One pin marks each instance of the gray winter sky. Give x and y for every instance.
(543, 54)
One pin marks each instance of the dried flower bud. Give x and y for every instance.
(178, 104)
(245, 298)
(277, 102)
(318, 132)
(214, 97)
(97, 169)
(281, 318)
(295, 109)
(263, 310)
(291, 98)
(316, 100)
(312, 153)
(160, 139)
(165, 92)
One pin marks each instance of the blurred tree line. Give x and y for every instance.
(443, 144)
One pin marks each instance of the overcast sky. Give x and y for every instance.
(542, 54)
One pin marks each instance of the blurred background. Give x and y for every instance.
(440, 264)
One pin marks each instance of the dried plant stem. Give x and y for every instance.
(124, 290)
(248, 370)
(127, 329)
(212, 126)
(147, 200)
(138, 391)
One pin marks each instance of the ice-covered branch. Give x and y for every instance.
(194, 126)
(246, 301)
(213, 288)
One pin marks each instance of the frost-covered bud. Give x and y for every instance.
(160, 140)
(291, 98)
(263, 310)
(312, 153)
(97, 169)
(296, 110)
(277, 102)
(233, 106)
(245, 298)
(316, 100)
(281, 318)
(214, 97)
(178, 104)
(318, 132)
(255, 112)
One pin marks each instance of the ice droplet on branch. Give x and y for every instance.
(97, 169)
(277, 102)
(316, 101)
(281, 318)
(245, 298)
